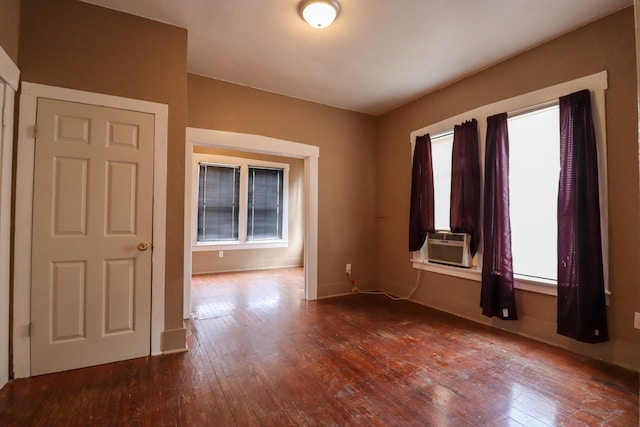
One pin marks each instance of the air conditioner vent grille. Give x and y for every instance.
(454, 237)
(449, 248)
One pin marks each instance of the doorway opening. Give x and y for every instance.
(203, 139)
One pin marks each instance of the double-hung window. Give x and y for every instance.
(240, 203)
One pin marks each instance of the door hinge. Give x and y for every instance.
(35, 132)
(4, 120)
(29, 329)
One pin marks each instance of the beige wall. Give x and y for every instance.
(608, 44)
(9, 24)
(346, 166)
(72, 44)
(254, 259)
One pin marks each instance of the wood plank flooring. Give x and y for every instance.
(261, 355)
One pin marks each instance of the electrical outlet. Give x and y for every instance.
(221, 254)
(636, 321)
(348, 269)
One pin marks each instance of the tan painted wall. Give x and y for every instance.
(346, 166)
(72, 44)
(254, 259)
(9, 27)
(608, 44)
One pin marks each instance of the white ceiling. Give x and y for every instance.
(378, 54)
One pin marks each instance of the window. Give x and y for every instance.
(240, 203)
(265, 203)
(534, 169)
(533, 179)
(218, 202)
(441, 149)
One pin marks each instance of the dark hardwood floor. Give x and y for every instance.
(261, 355)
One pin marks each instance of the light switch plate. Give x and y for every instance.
(636, 321)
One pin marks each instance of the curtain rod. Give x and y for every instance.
(532, 108)
(442, 134)
(510, 114)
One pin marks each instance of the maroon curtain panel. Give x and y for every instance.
(465, 182)
(497, 297)
(581, 299)
(421, 214)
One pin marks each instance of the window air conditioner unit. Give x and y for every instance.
(449, 248)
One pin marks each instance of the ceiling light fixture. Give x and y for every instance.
(319, 13)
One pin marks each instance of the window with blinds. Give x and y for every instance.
(239, 203)
(264, 215)
(218, 202)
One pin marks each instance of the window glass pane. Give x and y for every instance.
(264, 220)
(534, 168)
(441, 148)
(218, 199)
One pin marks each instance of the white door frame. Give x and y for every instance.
(264, 145)
(24, 210)
(10, 78)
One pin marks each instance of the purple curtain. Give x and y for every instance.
(421, 216)
(465, 182)
(497, 297)
(581, 300)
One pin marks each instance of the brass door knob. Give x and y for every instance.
(143, 246)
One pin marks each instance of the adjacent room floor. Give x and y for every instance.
(262, 355)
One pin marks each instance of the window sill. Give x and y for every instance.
(541, 286)
(465, 273)
(524, 283)
(230, 246)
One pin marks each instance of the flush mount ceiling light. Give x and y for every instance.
(319, 13)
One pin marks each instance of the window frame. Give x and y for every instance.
(242, 242)
(597, 85)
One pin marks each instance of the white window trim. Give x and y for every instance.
(597, 85)
(242, 242)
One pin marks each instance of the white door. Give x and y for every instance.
(91, 248)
